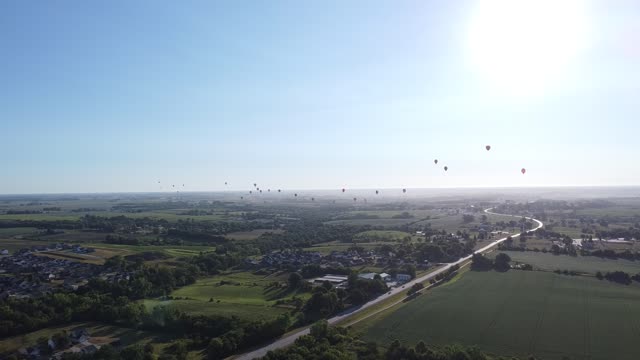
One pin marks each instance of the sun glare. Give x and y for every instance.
(523, 47)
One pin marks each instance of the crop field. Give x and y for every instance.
(520, 313)
(585, 264)
(241, 294)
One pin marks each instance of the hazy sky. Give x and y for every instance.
(116, 95)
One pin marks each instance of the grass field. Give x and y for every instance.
(520, 313)
(96, 330)
(243, 294)
(586, 264)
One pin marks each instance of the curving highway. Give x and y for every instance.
(289, 339)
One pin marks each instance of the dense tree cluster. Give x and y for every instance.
(325, 342)
(480, 262)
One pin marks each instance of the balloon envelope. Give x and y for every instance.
(435, 161)
(446, 168)
(376, 192)
(488, 147)
(523, 171)
(343, 190)
(404, 190)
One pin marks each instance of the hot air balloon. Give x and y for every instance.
(254, 184)
(404, 190)
(313, 199)
(435, 161)
(173, 186)
(488, 147)
(279, 190)
(250, 192)
(268, 190)
(446, 168)
(355, 199)
(376, 192)
(343, 190)
(225, 183)
(260, 191)
(523, 171)
(296, 194)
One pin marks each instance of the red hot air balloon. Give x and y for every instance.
(435, 161)
(488, 147)
(523, 171)
(446, 168)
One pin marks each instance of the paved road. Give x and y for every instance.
(289, 339)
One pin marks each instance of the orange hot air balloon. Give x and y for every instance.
(446, 168)
(435, 161)
(488, 147)
(523, 171)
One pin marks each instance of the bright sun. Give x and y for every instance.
(521, 47)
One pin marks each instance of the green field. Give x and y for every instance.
(100, 333)
(586, 264)
(381, 235)
(520, 313)
(244, 295)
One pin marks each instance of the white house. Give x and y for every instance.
(403, 277)
(367, 276)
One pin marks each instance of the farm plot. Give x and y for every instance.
(585, 264)
(520, 313)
